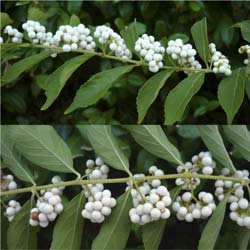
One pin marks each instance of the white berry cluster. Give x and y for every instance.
(240, 212)
(35, 31)
(73, 38)
(48, 206)
(7, 182)
(184, 53)
(12, 209)
(239, 206)
(219, 61)
(151, 201)
(202, 162)
(17, 36)
(245, 49)
(106, 35)
(222, 187)
(150, 50)
(100, 202)
(189, 208)
(99, 205)
(96, 169)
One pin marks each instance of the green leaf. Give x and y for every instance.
(106, 146)
(115, 230)
(59, 77)
(179, 97)
(231, 92)
(44, 147)
(239, 136)
(211, 137)
(247, 87)
(5, 19)
(25, 64)
(35, 13)
(188, 131)
(149, 91)
(7, 46)
(131, 33)
(212, 229)
(74, 20)
(74, 7)
(67, 233)
(13, 159)
(152, 232)
(20, 234)
(199, 34)
(153, 139)
(244, 28)
(96, 87)
(243, 238)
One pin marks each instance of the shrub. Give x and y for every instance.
(125, 75)
(200, 197)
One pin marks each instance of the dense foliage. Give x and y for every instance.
(34, 154)
(115, 101)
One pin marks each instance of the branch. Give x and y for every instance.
(79, 182)
(103, 55)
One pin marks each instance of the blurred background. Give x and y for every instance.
(22, 100)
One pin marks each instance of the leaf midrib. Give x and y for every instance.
(116, 222)
(76, 217)
(174, 157)
(221, 142)
(17, 162)
(233, 101)
(115, 150)
(49, 150)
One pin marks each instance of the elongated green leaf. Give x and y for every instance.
(213, 140)
(153, 139)
(213, 226)
(114, 232)
(5, 19)
(243, 238)
(244, 28)
(247, 87)
(44, 147)
(239, 136)
(13, 159)
(96, 87)
(6, 47)
(199, 34)
(67, 233)
(58, 78)
(231, 92)
(179, 97)
(25, 64)
(131, 33)
(20, 234)
(152, 233)
(149, 91)
(107, 147)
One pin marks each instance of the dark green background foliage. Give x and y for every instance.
(22, 100)
(177, 234)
